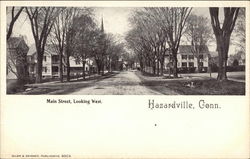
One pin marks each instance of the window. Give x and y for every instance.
(191, 56)
(55, 69)
(32, 69)
(201, 56)
(191, 64)
(184, 64)
(55, 58)
(77, 62)
(45, 69)
(44, 58)
(201, 64)
(184, 57)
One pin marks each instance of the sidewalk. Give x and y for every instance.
(56, 87)
(72, 80)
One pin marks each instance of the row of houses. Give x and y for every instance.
(50, 61)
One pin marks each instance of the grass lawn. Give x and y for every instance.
(208, 87)
(201, 86)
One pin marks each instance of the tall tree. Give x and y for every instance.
(161, 26)
(41, 21)
(135, 43)
(85, 34)
(58, 36)
(222, 33)
(15, 13)
(60, 30)
(239, 36)
(63, 34)
(198, 33)
(172, 21)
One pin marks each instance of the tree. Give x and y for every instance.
(41, 21)
(84, 36)
(135, 43)
(58, 36)
(198, 33)
(115, 51)
(239, 36)
(111, 51)
(17, 58)
(147, 40)
(172, 21)
(63, 34)
(158, 27)
(14, 17)
(222, 33)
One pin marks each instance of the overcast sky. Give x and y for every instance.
(115, 21)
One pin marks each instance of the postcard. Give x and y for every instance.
(124, 79)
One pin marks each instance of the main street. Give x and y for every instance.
(124, 83)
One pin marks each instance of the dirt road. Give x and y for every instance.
(124, 83)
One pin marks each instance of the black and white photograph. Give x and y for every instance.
(124, 79)
(125, 50)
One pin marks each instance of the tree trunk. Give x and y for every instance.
(83, 69)
(102, 67)
(162, 67)
(68, 67)
(198, 64)
(67, 56)
(98, 64)
(158, 68)
(39, 66)
(175, 69)
(154, 68)
(222, 48)
(110, 65)
(60, 67)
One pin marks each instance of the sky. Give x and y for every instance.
(115, 21)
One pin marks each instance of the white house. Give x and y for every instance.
(50, 62)
(186, 58)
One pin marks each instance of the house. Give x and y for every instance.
(16, 58)
(50, 62)
(76, 66)
(187, 61)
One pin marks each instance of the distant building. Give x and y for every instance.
(187, 60)
(16, 58)
(76, 67)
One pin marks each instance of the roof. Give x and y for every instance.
(50, 49)
(13, 42)
(72, 61)
(188, 49)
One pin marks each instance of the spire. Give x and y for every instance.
(102, 27)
